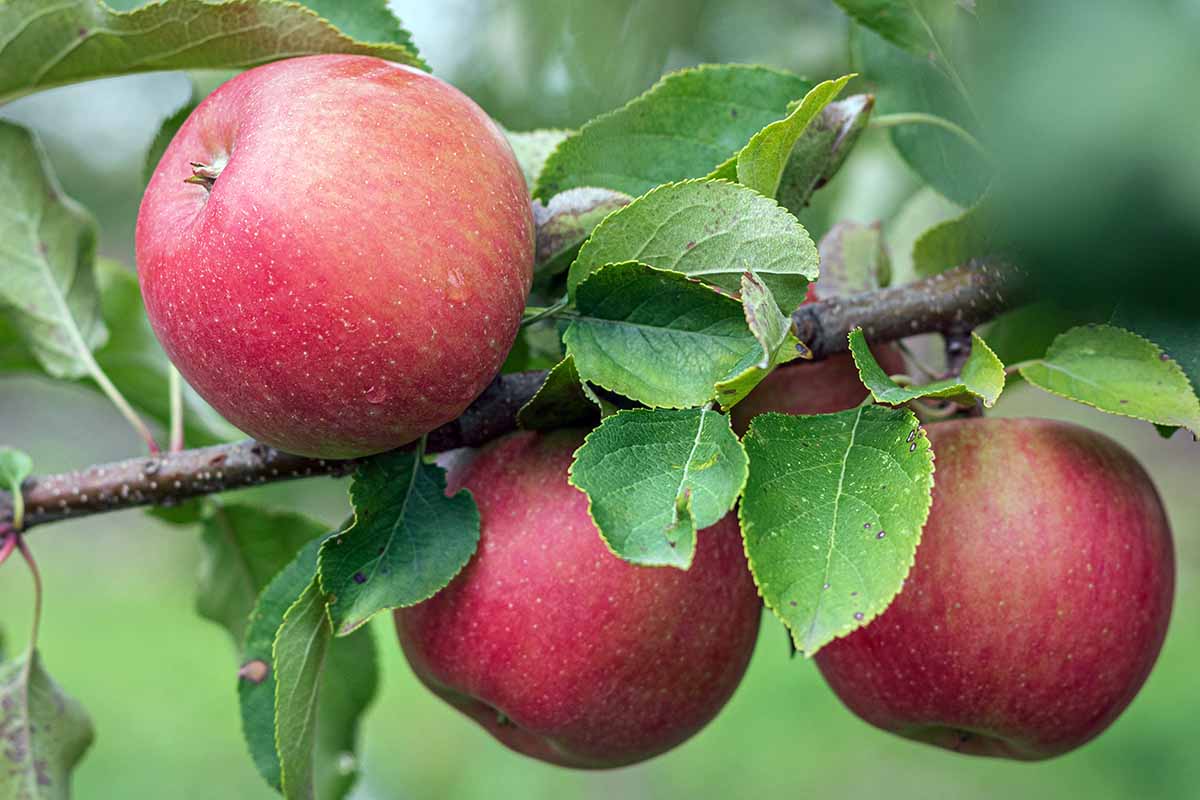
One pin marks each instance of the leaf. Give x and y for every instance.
(564, 222)
(1026, 332)
(832, 514)
(560, 402)
(982, 376)
(1177, 331)
(761, 163)
(773, 331)
(909, 84)
(655, 336)
(47, 258)
(78, 40)
(408, 539)
(15, 467)
(682, 127)
(348, 683)
(954, 242)
(532, 148)
(854, 258)
(243, 548)
(43, 732)
(367, 21)
(301, 645)
(166, 132)
(711, 230)
(913, 25)
(653, 478)
(1117, 371)
(822, 149)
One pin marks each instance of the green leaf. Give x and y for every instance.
(367, 21)
(653, 478)
(854, 258)
(408, 539)
(761, 163)
(773, 331)
(564, 222)
(914, 25)
(982, 376)
(301, 645)
(1025, 333)
(560, 402)
(47, 259)
(348, 683)
(45, 732)
(15, 467)
(532, 148)
(1177, 331)
(832, 514)
(954, 242)
(711, 230)
(244, 546)
(822, 149)
(682, 127)
(78, 40)
(655, 336)
(1117, 371)
(906, 83)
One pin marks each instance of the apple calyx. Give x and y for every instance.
(206, 174)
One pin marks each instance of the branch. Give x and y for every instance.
(962, 296)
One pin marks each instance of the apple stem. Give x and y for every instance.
(205, 174)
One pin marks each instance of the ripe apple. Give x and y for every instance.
(335, 252)
(1038, 602)
(563, 651)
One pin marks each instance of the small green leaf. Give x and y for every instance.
(633, 319)
(367, 21)
(47, 259)
(982, 376)
(914, 25)
(832, 514)
(166, 132)
(560, 402)
(954, 242)
(348, 683)
(243, 548)
(565, 222)
(1117, 371)
(854, 258)
(45, 733)
(301, 645)
(1175, 330)
(761, 163)
(653, 478)
(15, 467)
(408, 539)
(682, 127)
(532, 148)
(773, 331)
(711, 230)
(79, 40)
(822, 149)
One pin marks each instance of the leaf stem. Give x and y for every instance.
(114, 395)
(175, 389)
(537, 313)
(920, 118)
(8, 544)
(36, 574)
(909, 354)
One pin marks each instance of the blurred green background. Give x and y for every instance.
(119, 630)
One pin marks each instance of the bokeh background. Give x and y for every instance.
(159, 682)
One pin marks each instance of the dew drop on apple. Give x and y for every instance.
(376, 394)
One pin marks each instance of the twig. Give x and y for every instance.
(965, 295)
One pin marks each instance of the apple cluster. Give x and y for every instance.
(335, 252)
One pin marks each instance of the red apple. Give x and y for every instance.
(563, 651)
(1038, 602)
(335, 252)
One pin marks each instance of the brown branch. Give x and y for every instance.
(963, 296)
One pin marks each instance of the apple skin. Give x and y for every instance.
(812, 387)
(356, 274)
(1038, 603)
(563, 651)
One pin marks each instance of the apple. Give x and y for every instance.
(1038, 602)
(335, 252)
(560, 649)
